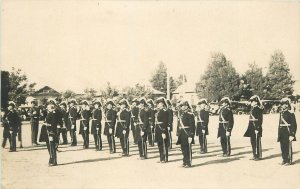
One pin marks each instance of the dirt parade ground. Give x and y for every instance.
(87, 168)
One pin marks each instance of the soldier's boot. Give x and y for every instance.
(4, 142)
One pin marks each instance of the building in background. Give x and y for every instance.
(186, 91)
(43, 94)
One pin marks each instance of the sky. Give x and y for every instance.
(77, 44)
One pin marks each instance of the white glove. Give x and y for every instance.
(124, 132)
(163, 136)
(190, 139)
(10, 132)
(291, 138)
(169, 128)
(73, 126)
(110, 131)
(97, 129)
(58, 126)
(203, 131)
(50, 138)
(227, 133)
(142, 133)
(151, 127)
(256, 131)
(85, 128)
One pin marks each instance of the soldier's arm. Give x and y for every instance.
(145, 121)
(192, 125)
(293, 124)
(230, 121)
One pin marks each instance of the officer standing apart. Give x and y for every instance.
(141, 129)
(49, 133)
(202, 117)
(72, 122)
(96, 124)
(170, 121)
(110, 121)
(84, 123)
(123, 125)
(186, 133)
(35, 116)
(254, 130)
(161, 129)
(286, 131)
(226, 122)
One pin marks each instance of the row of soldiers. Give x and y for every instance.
(153, 122)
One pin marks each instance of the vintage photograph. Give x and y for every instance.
(150, 94)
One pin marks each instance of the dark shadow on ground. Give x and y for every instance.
(225, 160)
(91, 160)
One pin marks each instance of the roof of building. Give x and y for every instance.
(186, 88)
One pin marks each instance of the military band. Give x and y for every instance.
(148, 121)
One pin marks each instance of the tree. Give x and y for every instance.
(253, 81)
(279, 82)
(68, 94)
(18, 86)
(158, 79)
(4, 88)
(137, 91)
(109, 91)
(90, 93)
(220, 79)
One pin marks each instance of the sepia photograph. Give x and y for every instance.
(150, 94)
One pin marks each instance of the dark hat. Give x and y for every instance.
(286, 101)
(169, 103)
(11, 103)
(161, 100)
(226, 100)
(110, 101)
(124, 101)
(96, 101)
(255, 98)
(150, 101)
(63, 103)
(52, 101)
(202, 101)
(143, 100)
(135, 100)
(84, 102)
(73, 101)
(186, 103)
(33, 101)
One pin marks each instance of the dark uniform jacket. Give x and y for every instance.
(186, 128)
(287, 125)
(161, 126)
(225, 121)
(84, 121)
(123, 123)
(96, 121)
(255, 122)
(110, 121)
(134, 117)
(72, 118)
(11, 122)
(143, 124)
(202, 118)
(170, 119)
(49, 128)
(34, 113)
(151, 116)
(64, 114)
(59, 117)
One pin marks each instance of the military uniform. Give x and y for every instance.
(110, 121)
(202, 118)
(11, 125)
(151, 128)
(122, 130)
(186, 131)
(142, 126)
(170, 125)
(85, 127)
(61, 126)
(97, 128)
(133, 122)
(49, 135)
(287, 128)
(35, 116)
(255, 124)
(161, 127)
(72, 125)
(226, 122)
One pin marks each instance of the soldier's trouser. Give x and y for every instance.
(163, 150)
(20, 134)
(170, 138)
(98, 141)
(112, 143)
(12, 141)
(85, 137)
(186, 152)
(133, 134)
(226, 147)
(63, 132)
(284, 145)
(150, 139)
(73, 137)
(256, 147)
(203, 143)
(125, 144)
(142, 148)
(51, 146)
(4, 142)
(34, 132)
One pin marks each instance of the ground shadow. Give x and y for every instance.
(91, 160)
(225, 160)
(276, 155)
